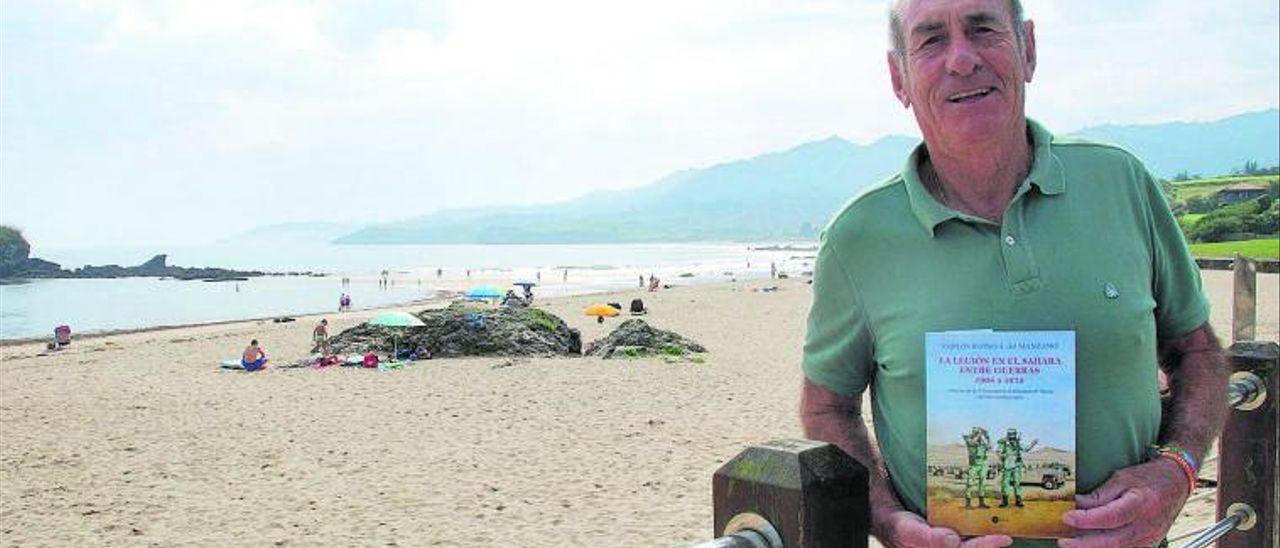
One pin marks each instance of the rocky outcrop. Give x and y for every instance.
(464, 329)
(154, 267)
(635, 338)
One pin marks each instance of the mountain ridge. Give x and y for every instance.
(790, 193)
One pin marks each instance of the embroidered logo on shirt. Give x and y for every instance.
(1109, 289)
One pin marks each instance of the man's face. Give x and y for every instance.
(963, 72)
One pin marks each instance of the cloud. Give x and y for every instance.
(274, 24)
(195, 108)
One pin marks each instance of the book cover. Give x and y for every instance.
(1001, 431)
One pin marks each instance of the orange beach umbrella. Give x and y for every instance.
(601, 310)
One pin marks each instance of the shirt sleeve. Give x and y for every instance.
(838, 345)
(1181, 305)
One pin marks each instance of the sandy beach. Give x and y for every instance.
(140, 439)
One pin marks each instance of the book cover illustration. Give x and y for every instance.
(1001, 431)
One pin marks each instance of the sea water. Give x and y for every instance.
(33, 309)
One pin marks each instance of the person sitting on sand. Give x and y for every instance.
(61, 337)
(320, 336)
(254, 357)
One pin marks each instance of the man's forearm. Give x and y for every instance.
(1197, 372)
(837, 419)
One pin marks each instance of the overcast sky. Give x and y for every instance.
(150, 122)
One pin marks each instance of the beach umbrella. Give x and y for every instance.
(485, 292)
(601, 310)
(396, 318)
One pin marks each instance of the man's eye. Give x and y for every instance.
(931, 40)
(983, 30)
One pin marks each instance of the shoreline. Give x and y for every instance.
(300, 316)
(90, 335)
(444, 290)
(449, 295)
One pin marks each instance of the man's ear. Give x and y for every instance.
(1029, 48)
(898, 77)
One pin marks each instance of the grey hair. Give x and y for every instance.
(899, 41)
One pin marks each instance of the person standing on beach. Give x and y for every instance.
(995, 223)
(254, 358)
(320, 338)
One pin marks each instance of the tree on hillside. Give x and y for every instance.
(1245, 219)
(1251, 168)
(1201, 204)
(13, 247)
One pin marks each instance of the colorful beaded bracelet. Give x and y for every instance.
(1185, 466)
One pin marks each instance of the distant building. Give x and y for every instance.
(1240, 192)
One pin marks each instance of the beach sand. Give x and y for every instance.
(140, 439)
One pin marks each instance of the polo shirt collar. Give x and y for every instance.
(1046, 176)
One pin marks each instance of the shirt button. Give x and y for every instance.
(1009, 240)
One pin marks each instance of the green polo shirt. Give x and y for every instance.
(1087, 244)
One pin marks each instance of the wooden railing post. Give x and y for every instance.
(1244, 315)
(792, 494)
(1248, 461)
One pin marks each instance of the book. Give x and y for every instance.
(1001, 431)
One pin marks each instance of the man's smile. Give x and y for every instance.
(971, 95)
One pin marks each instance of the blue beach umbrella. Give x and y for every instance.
(485, 292)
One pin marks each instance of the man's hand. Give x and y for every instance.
(903, 529)
(1135, 507)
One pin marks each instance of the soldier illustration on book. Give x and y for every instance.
(1011, 450)
(975, 477)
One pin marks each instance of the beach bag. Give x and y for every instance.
(637, 306)
(371, 360)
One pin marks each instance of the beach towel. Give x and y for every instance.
(391, 364)
(231, 364)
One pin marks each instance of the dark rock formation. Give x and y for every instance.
(31, 268)
(635, 338)
(470, 330)
(155, 267)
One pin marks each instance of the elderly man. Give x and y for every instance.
(994, 223)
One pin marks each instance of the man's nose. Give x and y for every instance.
(962, 58)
